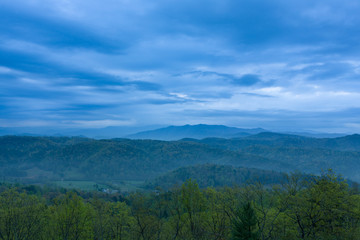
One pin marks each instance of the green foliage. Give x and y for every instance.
(217, 220)
(291, 152)
(245, 224)
(47, 159)
(70, 218)
(193, 202)
(21, 216)
(323, 208)
(44, 159)
(211, 175)
(110, 220)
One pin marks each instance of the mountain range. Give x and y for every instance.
(198, 131)
(39, 159)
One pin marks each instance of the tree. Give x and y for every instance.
(324, 209)
(100, 219)
(70, 218)
(120, 220)
(217, 221)
(21, 216)
(175, 223)
(244, 226)
(146, 223)
(193, 202)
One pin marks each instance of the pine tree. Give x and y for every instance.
(244, 225)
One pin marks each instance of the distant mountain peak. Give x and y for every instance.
(198, 131)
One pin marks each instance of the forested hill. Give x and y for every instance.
(310, 155)
(212, 175)
(48, 158)
(346, 143)
(122, 159)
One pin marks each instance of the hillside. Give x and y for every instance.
(32, 158)
(346, 143)
(311, 160)
(211, 175)
(41, 159)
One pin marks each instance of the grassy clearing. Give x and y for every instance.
(82, 185)
(129, 186)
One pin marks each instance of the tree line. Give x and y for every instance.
(301, 208)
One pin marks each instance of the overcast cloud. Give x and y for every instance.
(281, 65)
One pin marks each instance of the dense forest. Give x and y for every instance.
(42, 159)
(322, 207)
(212, 175)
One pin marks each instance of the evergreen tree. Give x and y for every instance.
(244, 226)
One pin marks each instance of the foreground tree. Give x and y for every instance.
(325, 209)
(70, 218)
(21, 216)
(304, 207)
(145, 225)
(120, 221)
(194, 204)
(217, 221)
(244, 227)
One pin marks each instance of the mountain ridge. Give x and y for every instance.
(198, 131)
(74, 158)
(215, 175)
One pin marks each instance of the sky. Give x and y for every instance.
(276, 64)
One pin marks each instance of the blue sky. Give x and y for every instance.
(281, 65)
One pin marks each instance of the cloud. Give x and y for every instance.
(52, 31)
(247, 80)
(146, 86)
(159, 62)
(101, 123)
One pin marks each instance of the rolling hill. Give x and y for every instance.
(53, 158)
(346, 143)
(212, 175)
(44, 158)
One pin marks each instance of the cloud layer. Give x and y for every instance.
(275, 64)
